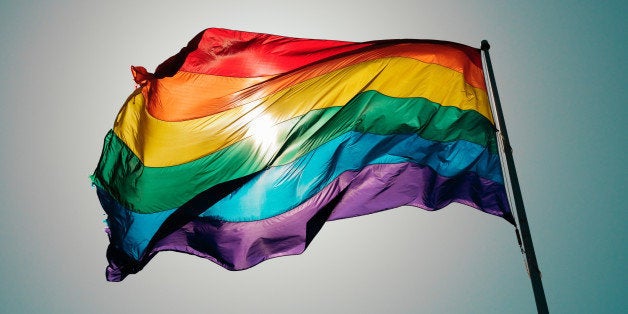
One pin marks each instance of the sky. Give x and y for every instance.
(561, 71)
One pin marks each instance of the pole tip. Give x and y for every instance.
(485, 45)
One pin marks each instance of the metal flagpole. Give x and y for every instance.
(528, 248)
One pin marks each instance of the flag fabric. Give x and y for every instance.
(242, 145)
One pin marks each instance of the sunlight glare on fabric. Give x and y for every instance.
(262, 131)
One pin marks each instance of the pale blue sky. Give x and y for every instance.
(561, 72)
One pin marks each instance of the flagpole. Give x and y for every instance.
(528, 248)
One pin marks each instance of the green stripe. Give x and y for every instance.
(148, 190)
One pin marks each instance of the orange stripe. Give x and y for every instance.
(186, 96)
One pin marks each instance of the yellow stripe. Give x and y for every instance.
(161, 143)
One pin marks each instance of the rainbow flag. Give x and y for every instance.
(241, 146)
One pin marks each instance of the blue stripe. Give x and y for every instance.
(282, 188)
(130, 230)
(279, 189)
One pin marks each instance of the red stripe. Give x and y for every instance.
(233, 53)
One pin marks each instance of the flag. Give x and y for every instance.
(242, 145)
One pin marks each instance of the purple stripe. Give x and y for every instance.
(240, 245)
